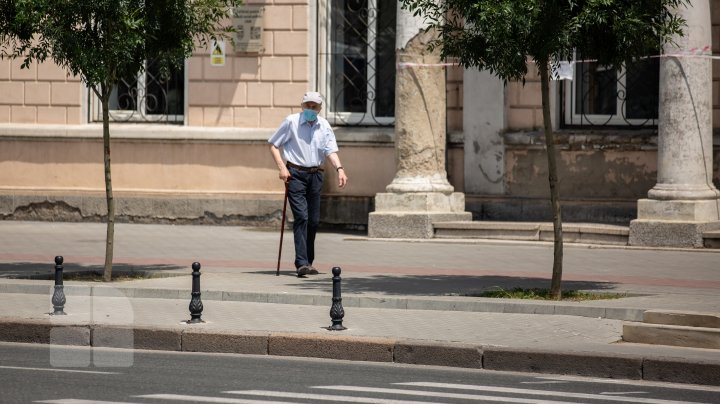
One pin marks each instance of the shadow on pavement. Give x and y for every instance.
(438, 285)
(34, 270)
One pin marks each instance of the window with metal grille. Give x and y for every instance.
(358, 70)
(601, 96)
(148, 97)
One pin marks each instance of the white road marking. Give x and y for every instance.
(325, 397)
(623, 392)
(510, 390)
(445, 395)
(205, 399)
(636, 383)
(94, 372)
(545, 382)
(78, 401)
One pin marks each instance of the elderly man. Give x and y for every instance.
(303, 141)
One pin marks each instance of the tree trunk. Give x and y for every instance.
(110, 236)
(556, 283)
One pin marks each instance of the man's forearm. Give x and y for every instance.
(276, 156)
(335, 160)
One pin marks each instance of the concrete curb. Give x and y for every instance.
(675, 335)
(484, 305)
(573, 363)
(342, 347)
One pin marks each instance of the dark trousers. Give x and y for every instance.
(304, 196)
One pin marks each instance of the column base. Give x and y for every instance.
(674, 223)
(664, 233)
(411, 215)
(409, 225)
(707, 210)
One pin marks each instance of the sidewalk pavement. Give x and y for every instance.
(407, 301)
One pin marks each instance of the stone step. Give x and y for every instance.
(711, 239)
(674, 335)
(590, 233)
(682, 318)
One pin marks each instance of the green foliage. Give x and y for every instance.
(499, 35)
(105, 40)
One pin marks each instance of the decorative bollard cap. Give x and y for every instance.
(336, 271)
(59, 260)
(196, 266)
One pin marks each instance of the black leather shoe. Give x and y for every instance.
(302, 271)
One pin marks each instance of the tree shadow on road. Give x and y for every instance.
(41, 271)
(439, 285)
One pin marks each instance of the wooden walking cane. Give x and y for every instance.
(282, 229)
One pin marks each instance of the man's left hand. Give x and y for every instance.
(342, 178)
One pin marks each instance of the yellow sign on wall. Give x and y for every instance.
(217, 53)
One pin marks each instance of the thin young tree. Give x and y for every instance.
(105, 41)
(502, 35)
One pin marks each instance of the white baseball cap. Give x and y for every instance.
(312, 96)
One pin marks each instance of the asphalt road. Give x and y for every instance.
(58, 374)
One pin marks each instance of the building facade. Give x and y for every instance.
(193, 149)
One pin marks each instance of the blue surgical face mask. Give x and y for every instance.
(310, 114)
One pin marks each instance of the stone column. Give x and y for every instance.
(420, 193)
(684, 203)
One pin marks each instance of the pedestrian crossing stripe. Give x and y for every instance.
(634, 383)
(323, 397)
(462, 396)
(493, 389)
(205, 399)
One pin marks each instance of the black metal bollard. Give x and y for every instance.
(196, 306)
(58, 297)
(336, 310)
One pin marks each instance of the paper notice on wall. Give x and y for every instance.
(217, 53)
(564, 71)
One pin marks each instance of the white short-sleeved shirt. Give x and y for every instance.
(304, 144)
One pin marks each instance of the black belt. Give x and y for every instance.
(306, 169)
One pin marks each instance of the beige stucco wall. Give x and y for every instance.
(585, 174)
(524, 102)
(177, 174)
(137, 165)
(43, 93)
(255, 90)
(252, 90)
(146, 159)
